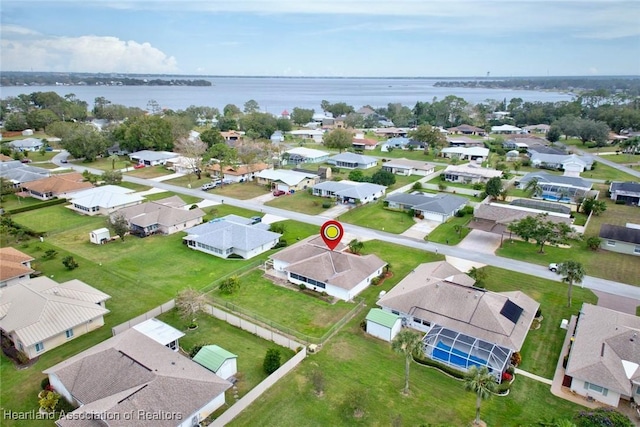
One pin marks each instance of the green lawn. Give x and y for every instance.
(11, 201)
(242, 191)
(602, 171)
(374, 215)
(249, 348)
(188, 181)
(149, 172)
(623, 158)
(105, 163)
(300, 201)
(188, 200)
(58, 219)
(446, 232)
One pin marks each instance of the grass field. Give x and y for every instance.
(446, 232)
(149, 172)
(624, 158)
(242, 191)
(300, 201)
(106, 164)
(374, 215)
(188, 200)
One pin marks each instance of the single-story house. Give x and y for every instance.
(542, 147)
(570, 163)
(391, 132)
(41, 314)
(349, 191)
(152, 158)
(383, 324)
(160, 332)
(515, 144)
(496, 217)
(469, 174)
(299, 155)
(232, 136)
(464, 141)
(15, 267)
(604, 357)
(466, 153)
(353, 161)
(184, 165)
(395, 143)
(433, 207)
(624, 240)
(231, 235)
(315, 135)
(556, 188)
(277, 137)
(27, 144)
(238, 173)
(467, 130)
(465, 326)
(287, 180)
(629, 192)
(56, 186)
(311, 263)
(218, 360)
(18, 173)
(103, 200)
(541, 128)
(408, 167)
(165, 216)
(506, 129)
(361, 143)
(27, 132)
(414, 144)
(117, 150)
(131, 374)
(319, 117)
(512, 155)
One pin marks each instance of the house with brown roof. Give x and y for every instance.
(604, 357)
(465, 326)
(165, 216)
(624, 240)
(469, 174)
(56, 186)
(496, 217)
(312, 264)
(41, 314)
(238, 173)
(131, 379)
(359, 142)
(467, 130)
(15, 266)
(408, 167)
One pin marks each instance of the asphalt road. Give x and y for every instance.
(603, 285)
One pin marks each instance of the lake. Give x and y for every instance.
(277, 94)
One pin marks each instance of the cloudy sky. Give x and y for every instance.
(377, 38)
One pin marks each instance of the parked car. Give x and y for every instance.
(138, 166)
(278, 193)
(553, 267)
(256, 220)
(25, 160)
(208, 186)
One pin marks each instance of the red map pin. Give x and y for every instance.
(331, 232)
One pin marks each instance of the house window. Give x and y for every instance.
(636, 250)
(611, 242)
(596, 388)
(39, 347)
(69, 333)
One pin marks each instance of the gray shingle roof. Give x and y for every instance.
(163, 212)
(632, 187)
(354, 158)
(440, 203)
(153, 156)
(225, 233)
(544, 177)
(620, 233)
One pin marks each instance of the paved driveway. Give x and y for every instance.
(421, 229)
(481, 242)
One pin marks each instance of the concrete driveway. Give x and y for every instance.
(421, 229)
(481, 242)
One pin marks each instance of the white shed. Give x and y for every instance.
(218, 360)
(100, 236)
(383, 324)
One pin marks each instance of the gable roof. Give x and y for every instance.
(153, 156)
(620, 233)
(289, 177)
(212, 357)
(365, 141)
(18, 172)
(466, 128)
(307, 152)
(470, 170)
(340, 269)
(355, 190)
(26, 143)
(467, 151)
(228, 232)
(545, 177)
(12, 263)
(629, 187)
(130, 372)
(353, 158)
(604, 340)
(45, 308)
(381, 317)
(537, 157)
(440, 203)
(107, 196)
(409, 164)
(59, 184)
(442, 294)
(163, 212)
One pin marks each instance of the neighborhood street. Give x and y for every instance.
(594, 283)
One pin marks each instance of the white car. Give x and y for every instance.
(554, 267)
(209, 186)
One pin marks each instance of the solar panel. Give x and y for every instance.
(511, 311)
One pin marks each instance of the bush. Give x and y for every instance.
(417, 185)
(601, 417)
(50, 254)
(593, 243)
(375, 281)
(326, 205)
(69, 262)
(194, 350)
(230, 285)
(282, 243)
(477, 186)
(538, 312)
(516, 358)
(459, 213)
(302, 287)
(22, 357)
(44, 383)
(468, 210)
(49, 400)
(271, 361)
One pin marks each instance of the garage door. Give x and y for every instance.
(432, 216)
(283, 187)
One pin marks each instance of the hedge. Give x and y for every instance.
(52, 202)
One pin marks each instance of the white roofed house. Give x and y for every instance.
(340, 274)
(231, 236)
(466, 153)
(315, 135)
(286, 180)
(572, 164)
(469, 174)
(349, 192)
(465, 326)
(41, 314)
(103, 200)
(506, 129)
(132, 374)
(604, 357)
(27, 144)
(408, 167)
(353, 161)
(152, 158)
(166, 216)
(299, 155)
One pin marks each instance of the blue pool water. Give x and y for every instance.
(456, 357)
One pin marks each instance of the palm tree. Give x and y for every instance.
(355, 246)
(571, 272)
(407, 342)
(533, 187)
(114, 158)
(482, 383)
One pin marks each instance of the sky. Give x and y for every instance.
(335, 38)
